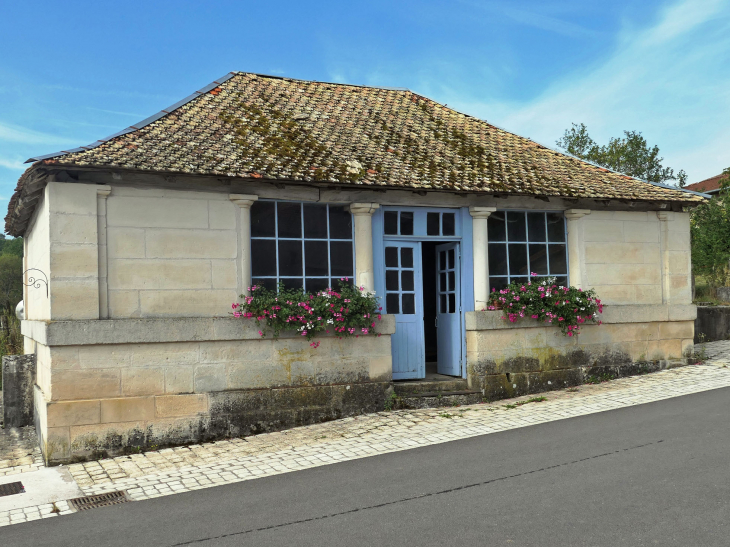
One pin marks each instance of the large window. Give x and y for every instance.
(303, 245)
(525, 242)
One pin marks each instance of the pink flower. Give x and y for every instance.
(235, 305)
(261, 333)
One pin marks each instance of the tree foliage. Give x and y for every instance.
(630, 155)
(11, 273)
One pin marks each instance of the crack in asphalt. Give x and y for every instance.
(411, 498)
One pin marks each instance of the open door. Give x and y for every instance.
(403, 299)
(448, 310)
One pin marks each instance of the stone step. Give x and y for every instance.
(425, 386)
(435, 399)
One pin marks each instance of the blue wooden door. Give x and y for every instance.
(404, 300)
(448, 309)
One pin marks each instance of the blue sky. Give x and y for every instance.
(73, 72)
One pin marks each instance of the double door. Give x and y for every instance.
(404, 299)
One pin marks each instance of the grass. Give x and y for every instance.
(528, 401)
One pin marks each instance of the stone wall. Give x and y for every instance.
(712, 323)
(509, 359)
(127, 385)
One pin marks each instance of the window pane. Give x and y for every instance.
(391, 280)
(452, 281)
(495, 226)
(519, 279)
(268, 283)
(337, 283)
(497, 259)
(555, 227)
(341, 258)
(392, 303)
(290, 258)
(518, 259)
(452, 302)
(409, 304)
(442, 260)
(293, 282)
(406, 257)
(536, 226)
(433, 222)
(289, 217)
(317, 284)
(406, 224)
(561, 281)
(391, 222)
(538, 259)
(449, 221)
(497, 283)
(442, 304)
(315, 258)
(450, 262)
(340, 222)
(442, 282)
(262, 219)
(558, 262)
(406, 280)
(263, 257)
(391, 257)
(315, 221)
(516, 227)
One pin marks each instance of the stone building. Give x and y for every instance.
(148, 236)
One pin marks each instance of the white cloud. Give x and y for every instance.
(22, 135)
(670, 81)
(9, 163)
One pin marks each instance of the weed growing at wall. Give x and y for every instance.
(544, 300)
(347, 311)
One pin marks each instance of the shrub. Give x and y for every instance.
(569, 307)
(348, 311)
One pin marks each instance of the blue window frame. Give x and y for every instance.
(303, 245)
(522, 242)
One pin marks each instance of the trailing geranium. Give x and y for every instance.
(544, 300)
(347, 311)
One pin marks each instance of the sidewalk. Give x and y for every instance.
(175, 470)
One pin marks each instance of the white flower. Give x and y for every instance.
(330, 322)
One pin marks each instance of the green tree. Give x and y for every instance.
(630, 155)
(11, 282)
(710, 231)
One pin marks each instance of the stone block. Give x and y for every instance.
(222, 215)
(137, 381)
(123, 304)
(225, 274)
(106, 439)
(678, 241)
(602, 230)
(615, 252)
(70, 385)
(614, 294)
(104, 357)
(74, 260)
(154, 212)
(206, 243)
(167, 406)
(74, 298)
(65, 358)
(380, 369)
(125, 242)
(648, 294)
(56, 444)
(342, 371)
(644, 232)
(73, 413)
(209, 378)
(682, 312)
(179, 379)
(159, 274)
(66, 228)
(679, 262)
(180, 303)
(688, 347)
(254, 375)
(676, 329)
(236, 351)
(623, 274)
(18, 379)
(173, 353)
(72, 198)
(129, 409)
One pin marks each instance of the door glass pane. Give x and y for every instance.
(289, 218)
(555, 227)
(391, 257)
(406, 257)
(495, 226)
(497, 259)
(442, 260)
(392, 303)
(518, 259)
(450, 263)
(449, 221)
(497, 283)
(290, 258)
(538, 259)
(406, 280)
(442, 303)
(516, 227)
(341, 258)
(409, 303)
(263, 257)
(262, 219)
(452, 302)
(315, 221)
(452, 281)
(433, 227)
(391, 280)
(406, 224)
(390, 221)
(317, 284)
(265, 282)
(315, 258)
(292, 282)
(536, 226)
(340, 222)
(558, 263)
(442, 282)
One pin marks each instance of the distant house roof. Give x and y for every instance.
(262, 127)
(707, 186)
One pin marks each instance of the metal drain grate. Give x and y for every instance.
(102, 500)
(11, 488)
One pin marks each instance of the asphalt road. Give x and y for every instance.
(655, 474)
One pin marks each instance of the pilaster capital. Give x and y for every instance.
(662, 215)
(575, 214)
(363, 208)
(481, 212)
(103, 190)
(244, 201)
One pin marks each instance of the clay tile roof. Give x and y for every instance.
(248, 125)
(708, 185)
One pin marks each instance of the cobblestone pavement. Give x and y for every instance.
(19, 451)
(174, 470)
